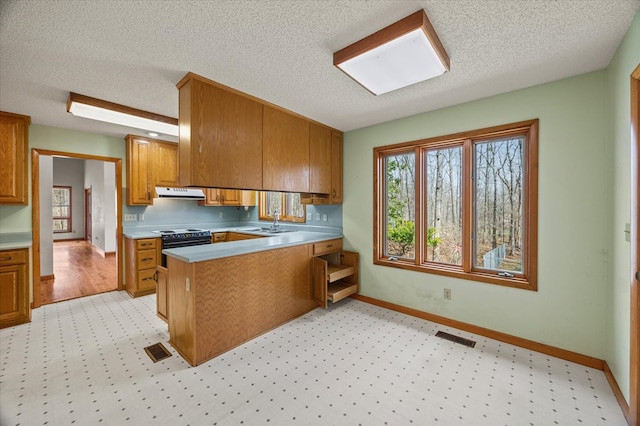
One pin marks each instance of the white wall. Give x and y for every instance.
(100, 176)
(70, 172)
(46, 222)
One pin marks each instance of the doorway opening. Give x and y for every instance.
(83, 263)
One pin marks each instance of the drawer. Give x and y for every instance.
(13, 257)
(147, 243)
(325, 247)
(146, 279)
(146, 259)
(219, 237)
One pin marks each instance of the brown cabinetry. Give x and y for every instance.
(335, 272)
(336, 168)
(14, 287)
(285, 145)
(228, 197)
(162, 308)
(220, 136)
(165, 164)
(14, 141)
(142, 257)
(150, 163)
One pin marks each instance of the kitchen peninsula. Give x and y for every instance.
(222, 295)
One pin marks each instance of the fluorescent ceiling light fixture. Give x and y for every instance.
(109, 112)
(404, 53)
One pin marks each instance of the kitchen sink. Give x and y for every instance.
(276, 231)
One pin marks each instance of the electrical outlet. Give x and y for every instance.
(447, 294)
(309, 217)
(318, 217)
(324, 217)
(140, 217)
(221, 215)
(130, 217)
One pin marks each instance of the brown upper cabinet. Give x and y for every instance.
(285, 145)
(220, 136)
(336, 168)
(150, 163)
(229, 139)
(228, 197)
(14, 149)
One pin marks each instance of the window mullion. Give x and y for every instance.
(467, 205)
(421, 207)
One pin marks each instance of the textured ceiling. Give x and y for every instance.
(133, 52)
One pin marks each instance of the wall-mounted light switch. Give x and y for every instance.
(140, 217)
(324, 217)
(627, 232)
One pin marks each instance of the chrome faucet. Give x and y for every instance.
(276, 221)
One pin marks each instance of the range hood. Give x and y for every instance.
(180, 193)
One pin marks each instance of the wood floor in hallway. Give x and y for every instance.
(79, 270)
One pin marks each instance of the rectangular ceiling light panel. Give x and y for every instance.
(97, 109)
(397, 56)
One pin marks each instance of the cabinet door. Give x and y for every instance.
(285, 165)
(220, 137)
(319, 159)
(212, 197)
(165, 164)
(161, 292)
(231, 197)
(320, 281)
(336, 168)
(13, 157)
(139, 191)
(14, 295)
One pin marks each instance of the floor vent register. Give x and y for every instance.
(157, 352)
(456, 339)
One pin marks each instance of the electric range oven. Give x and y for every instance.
(174, 238)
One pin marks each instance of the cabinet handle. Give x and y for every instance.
(6, 258)
(334, 193)
(329, 245)
(147, 258)
(155, 276)
(145, 244)
(147, 279)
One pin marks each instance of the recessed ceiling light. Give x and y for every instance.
(153, 134)
(404, 53)
(109, 112)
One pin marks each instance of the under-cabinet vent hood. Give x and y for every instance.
(180, 193)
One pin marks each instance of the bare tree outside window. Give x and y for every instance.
(461, 205)
(61, 198)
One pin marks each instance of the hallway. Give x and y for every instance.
(79, 270)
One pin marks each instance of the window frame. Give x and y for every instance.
(262, 209)
(528, 278)
(67, 218)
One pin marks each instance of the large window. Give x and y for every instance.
(61, 198)
(286, 204)
(462, 205)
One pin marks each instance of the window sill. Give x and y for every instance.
(457, 272)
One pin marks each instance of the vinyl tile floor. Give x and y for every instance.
(82, 362)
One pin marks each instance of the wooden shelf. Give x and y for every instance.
(340, 289)
(335, 273)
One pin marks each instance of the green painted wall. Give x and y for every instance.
(18, 218)
(571, 308)
(582, 304)
(626, 59)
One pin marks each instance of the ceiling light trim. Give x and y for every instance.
(397, 30)
(110, 112)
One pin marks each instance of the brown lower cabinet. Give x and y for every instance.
(141, 258)
(218, 304)
(161, 293)
(14, 287)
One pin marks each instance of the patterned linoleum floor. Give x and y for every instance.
(82, 362)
